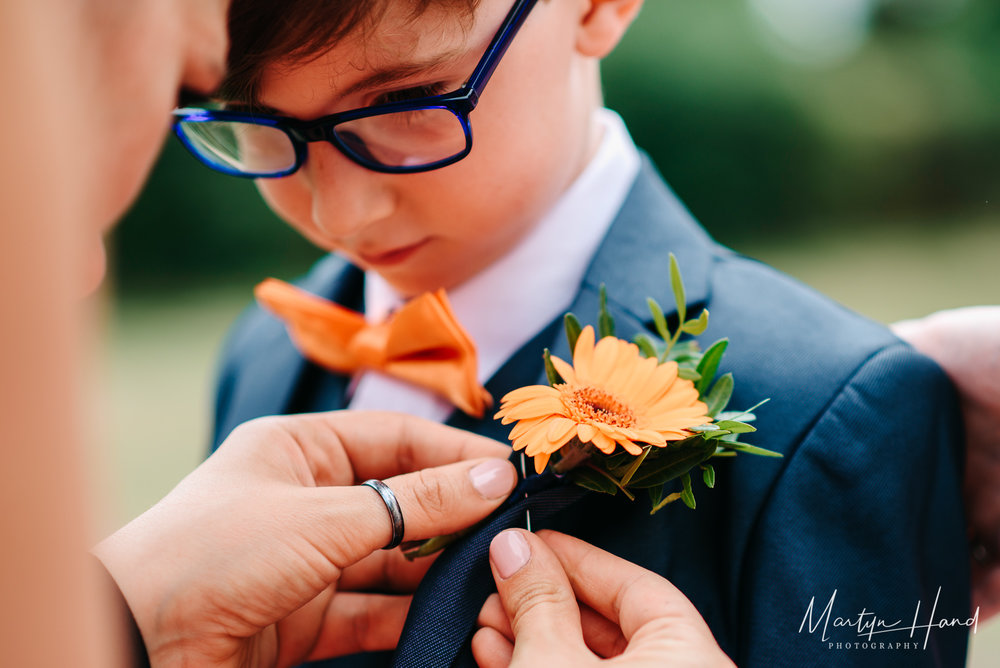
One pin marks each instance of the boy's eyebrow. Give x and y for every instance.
(394, 73)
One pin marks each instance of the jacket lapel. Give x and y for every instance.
(273, 374)
(651, 224)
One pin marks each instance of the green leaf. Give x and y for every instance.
(635, 466)
(709, 364)
(735, 427)
(722, 452)
(749, 449)
(709, 428)
(687, 496)
(617, 464)
(663, 504)
(605, 323)
(646, 346)
(720, 395)
(708, 475)
(655, 495)
(550, 370)
(673, 461)
(677, 283)
(743, 416)
(659, 319)
(687, 373)
(573, 329)
(590, 479)
(697, 327)
(686, 350)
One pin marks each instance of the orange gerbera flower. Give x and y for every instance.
(611, 396)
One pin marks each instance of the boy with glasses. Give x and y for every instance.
(460, 144)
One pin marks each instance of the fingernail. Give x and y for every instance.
(509, 552)
(494, 478)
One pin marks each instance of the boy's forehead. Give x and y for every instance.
(399, 46)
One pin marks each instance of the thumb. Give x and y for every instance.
(539, 600)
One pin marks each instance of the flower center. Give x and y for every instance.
(594, 404)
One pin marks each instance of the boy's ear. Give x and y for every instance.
(603, 24)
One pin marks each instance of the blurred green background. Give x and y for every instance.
(851, 143)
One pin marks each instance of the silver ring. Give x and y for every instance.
(395, 513)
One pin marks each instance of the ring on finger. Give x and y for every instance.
(395, 512)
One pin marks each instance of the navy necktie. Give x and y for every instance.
(443, 614)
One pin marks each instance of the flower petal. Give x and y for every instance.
(604, 443)
(560, 431)
(526, 393)
(583, 354)
(636, 383)
(522, 428)
(540, 462)
(565, 370)
(680, 396)
(586, 432)
(536, 441)
(619, 382)
(534, 408)
(606, 354)
(663, 382)
(630, 447)
(649, 436)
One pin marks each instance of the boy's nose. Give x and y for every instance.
(346, 197)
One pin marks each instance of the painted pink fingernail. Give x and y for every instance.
(509, 552)
(494, 478)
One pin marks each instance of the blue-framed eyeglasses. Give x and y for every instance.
(403, 137)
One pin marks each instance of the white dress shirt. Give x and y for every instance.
(509, 302)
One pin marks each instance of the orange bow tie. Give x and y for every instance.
(421, 342)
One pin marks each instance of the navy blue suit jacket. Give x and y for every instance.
(864, 510)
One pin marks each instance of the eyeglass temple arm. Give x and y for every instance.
(498, 47)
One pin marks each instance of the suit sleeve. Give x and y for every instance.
(868, 514)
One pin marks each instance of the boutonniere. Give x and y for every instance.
(630, 416)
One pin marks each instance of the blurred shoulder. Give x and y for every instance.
(256, 329)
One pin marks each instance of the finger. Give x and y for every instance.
(491, 649)
(385, 571)
(602, 636)
(381, 444)
(349, 523)
(492, 615)
(445, 499)
(626, 594)
(360, 623)
(538, 598)
(986, 589)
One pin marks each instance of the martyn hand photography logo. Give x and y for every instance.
(873, 632)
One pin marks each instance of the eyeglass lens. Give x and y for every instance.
(399, 139)
(404, 139)
(242, 147)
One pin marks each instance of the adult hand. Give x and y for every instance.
(966, 343)
(626, 615)
(247, 561)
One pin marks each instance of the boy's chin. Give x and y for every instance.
(410, 285)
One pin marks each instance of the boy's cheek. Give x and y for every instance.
(293, 204)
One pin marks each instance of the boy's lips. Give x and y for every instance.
(393, 256)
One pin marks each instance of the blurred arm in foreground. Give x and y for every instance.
(966, 343)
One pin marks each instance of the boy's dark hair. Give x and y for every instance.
(262, 32)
